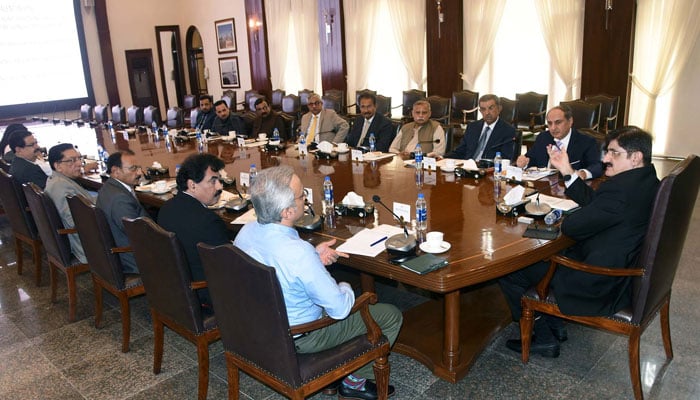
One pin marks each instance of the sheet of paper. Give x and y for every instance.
(248, 216)
(361, 242)
(533, 175)
(555, 202)
(376, 156)
(403, 210)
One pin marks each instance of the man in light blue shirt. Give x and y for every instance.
(308, 288)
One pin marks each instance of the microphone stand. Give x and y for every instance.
(310, 221)
(237, 204)
(402, 242)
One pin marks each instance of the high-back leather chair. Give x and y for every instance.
(652, 276)
(440, 108)
(118, 114)
(101, 113)
(15, 205)
(304, 99)
(258, 339)
(86, 113)
(134, 115)
(171, 293)
(174, 117)
(151, 114)
(609, 106)
(105, 264)
(586, 114)
(532, 108)
(384, 105)
(55, 239)
(465, 105)
(509, 111)
(193, 117)
(333, 103)
(276, 99)
(291, 106)
(410, 97)
(517, 146)
(251, 102)
(290, 126)
(189, 101)
(339, 95)
(229, 96)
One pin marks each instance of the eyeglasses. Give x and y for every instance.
(315, 103)
(614, 153)
(132, 168)
(72, 160)
(32, 144)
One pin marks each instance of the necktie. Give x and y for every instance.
(559, 144)
(482, 143)
(312, 129)
(365, 128)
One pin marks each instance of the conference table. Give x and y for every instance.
(465, 309)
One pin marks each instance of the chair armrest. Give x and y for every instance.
(194, 285)
(67, 231)
(400, 105)
(117, 250)
(471, 110)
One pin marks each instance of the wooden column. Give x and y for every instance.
(257, 47)
(105, 40)
(331, 36)
(444, 47)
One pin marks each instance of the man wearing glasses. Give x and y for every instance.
(609, 229)
(67, 163)
(24, 168)
(118, 200)
(321, 124)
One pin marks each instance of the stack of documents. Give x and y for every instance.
(369, 242)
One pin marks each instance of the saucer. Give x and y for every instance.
(443, 247)
(337, 150)
(167, 190)
(143, 188)
(537, 210)
(447, 169)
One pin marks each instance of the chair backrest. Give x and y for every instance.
(174, 116)
(101, 113)
(4, 165)
(119, 114)
(609, 106)
(248, 93)
(665, 237)
(97, 240)
(333, 103)
(464, 100)
(251, 101)
(304, 99)
(384, 105)
(517, 145)
(340, 97)
(165, 273)
(276, 99)
(409, 98)
(229, 96)
(440, 108)
(151, 114)
(135, 115)
(509, 110)
(359, 93)
(528, 103)
(190, 101)
(48, 223)
(86, 112)
(289, 124)
(15, 204)
(291, 105)
(250, 310)
(586, 114)
(193, 117)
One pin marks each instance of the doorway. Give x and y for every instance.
(139, 64)
(195, 61)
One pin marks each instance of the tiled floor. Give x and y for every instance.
(42, 356)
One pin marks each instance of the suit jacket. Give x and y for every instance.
(192, 222)
(58, 187)
(232, 123)
(118, 202)
(333, 127)
(609, 230)
(269, 124)
(582, 148)
(205, 120)
(501, 139)
(380, 126)
(25, 171)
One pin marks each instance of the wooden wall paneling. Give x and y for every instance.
(257, 47)
(444, 50)
(333, 66)
(607, 53)
(105, 41)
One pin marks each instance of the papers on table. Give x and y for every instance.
(248, 216)
(535, 174)
(361, 242)
(376, 156)
(554, 202)
(225, 197)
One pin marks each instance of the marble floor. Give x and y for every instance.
(42, 356)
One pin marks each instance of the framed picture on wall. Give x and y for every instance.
(228, 68)
(225, 35)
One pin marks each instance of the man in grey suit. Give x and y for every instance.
(326, 124)
(118, 200)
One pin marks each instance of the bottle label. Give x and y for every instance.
(328, 195)
(421, 214)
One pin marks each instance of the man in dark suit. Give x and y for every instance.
(609, 230)
(227, 121)
(118, 200)
(187, 214)
(583, 150)
(26, 150)
(267, 120)
(206, 116)
(370, 122)
(487, 136)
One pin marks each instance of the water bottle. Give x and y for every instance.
(252, 174)
(276, 135)
(552, 217)
(302, 143)
(497, 165)
(165, 132)
(154, 128)
(418, 154)
(109, 125)
(328, 194)
(372, 142)
(421, 213)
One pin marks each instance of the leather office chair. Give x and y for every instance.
(105, 264)
(609, 106)
(465, 105)
(21, 221)
(251, 102)
(304, 99)
(276, 99)
(586, 116)
(652, 276)
(171, 294)
(189, 101)
(509, 110)
(532, 108)
(247, 95)
(409, 98)
(118, 115)
(384, 105)
(86, 113)
(290, 125)
(151, 114)
(174, 117)
(193, 117)
(101, 113)
(134, 115)
(55, 239)
(440, 108)
(258, 339)
(229, 96)
(291, 106)
(332, 102)
(517, 146)
(359, 93)
(339, 95)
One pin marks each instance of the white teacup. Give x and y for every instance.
(434, 239)
(232, 134)
(450, 164)
(262, 136)
(505, 164)
(160, 186)
(342, 147)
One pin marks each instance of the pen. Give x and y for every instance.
(379, 241)
(575, 162)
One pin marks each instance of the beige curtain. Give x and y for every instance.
(562, 28)
(408, 18)
(359, 24)
(664, 39)
(277, 25)
(305, 16)
(481, 21)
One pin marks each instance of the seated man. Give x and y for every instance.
(118, 200)
(267, 120)
(6, 154)
(321, 124)
(309, 290)
(370, 122)
(205, 116)
(582, 150)
(422, 130)
(66, 163)
(227, 121)
(187, 215)
(24, 168)
(487, 136)
(609, 230)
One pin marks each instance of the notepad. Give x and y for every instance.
(424, 264)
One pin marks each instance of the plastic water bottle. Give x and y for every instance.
(372, 142)
(276, 135)
(421, 213)
(418, 154)
(154, 128)
(302, 143)
(328, 194)
(109, 125)
(252, 174)
(497, 165)
(552, 217)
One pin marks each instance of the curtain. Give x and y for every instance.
(665, 38)
(305, 16)
(277, 24)
(481, 21)
(359, 15)
(562, 28)
(408, 19)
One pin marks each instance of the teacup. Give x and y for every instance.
(450, 164)
(434, 239)
(232, 134)
(262, 136)
(160, 186)
(505, 164)
(342, 147)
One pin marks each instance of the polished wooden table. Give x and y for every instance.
(449, 331)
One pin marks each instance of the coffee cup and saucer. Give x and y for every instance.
(434, 243)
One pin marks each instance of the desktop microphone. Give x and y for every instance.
(237, 204)
(310, 221)
(501, 143)
(429, 141)
(399, 243)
